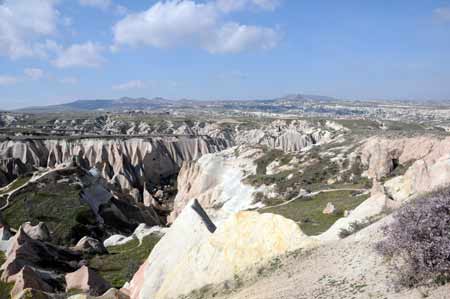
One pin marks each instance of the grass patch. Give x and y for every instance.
(58, 206)
(123, 261)
(307, 211)
(19, 182)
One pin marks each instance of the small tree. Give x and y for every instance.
(418, 240)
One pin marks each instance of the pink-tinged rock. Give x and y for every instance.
(27, 278)
(133, 288)
(86, 280)
(25, 251)
(329, 209)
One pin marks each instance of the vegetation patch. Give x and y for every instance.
(270, 156)
(19, 182)
(123, 261)
(354, 227)
(417, 242)
(58, 206)
(307, 211)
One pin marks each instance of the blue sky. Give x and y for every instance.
(55, 51)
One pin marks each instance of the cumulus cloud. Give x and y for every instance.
(167, 24)
(22, 23)
(234, 38)
(189, 23)
(134, 84)
(442, 14)
(7, 80)
(34, 73)
(79, 55)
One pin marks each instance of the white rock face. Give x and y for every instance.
(128, 163)
(193, 257)
(184, 234)
(421, 177)
(429, 158)
(293, 136)
(380, 154)
(216, 181)
(139, 233)
(5, 238)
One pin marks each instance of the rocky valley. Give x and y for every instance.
(229, 202)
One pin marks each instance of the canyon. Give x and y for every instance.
(210, 204)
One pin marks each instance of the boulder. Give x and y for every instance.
(5, 233)
(86, 280)
(90, 245)
(37, 232)
(27, 278)
(25, 251)
(329, 209)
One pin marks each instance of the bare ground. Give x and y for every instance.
(349, 268)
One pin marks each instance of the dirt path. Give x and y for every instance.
(312, 194)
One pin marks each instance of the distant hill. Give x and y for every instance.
(103, 105)
(127, 103)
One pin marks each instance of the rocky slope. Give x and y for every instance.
(217, 182)
(126, 163)
(203, 257)
(422, 164)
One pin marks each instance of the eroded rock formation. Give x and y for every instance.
(194, 257)
(216, 181)
(129, 163)
(425, 161)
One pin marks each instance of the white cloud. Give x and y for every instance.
(167, 24)
(80, 55)
(7, 80)
(69, 80)
(189, 23)
(442, 14)
(234, 38)
(22, 23)
(234, 5)
(134, 84)
(34, 73)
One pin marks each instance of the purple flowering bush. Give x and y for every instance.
(417, 243)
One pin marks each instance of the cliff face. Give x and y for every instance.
(127, 163)
(216, 181)
(287, 136)
(426, 163)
